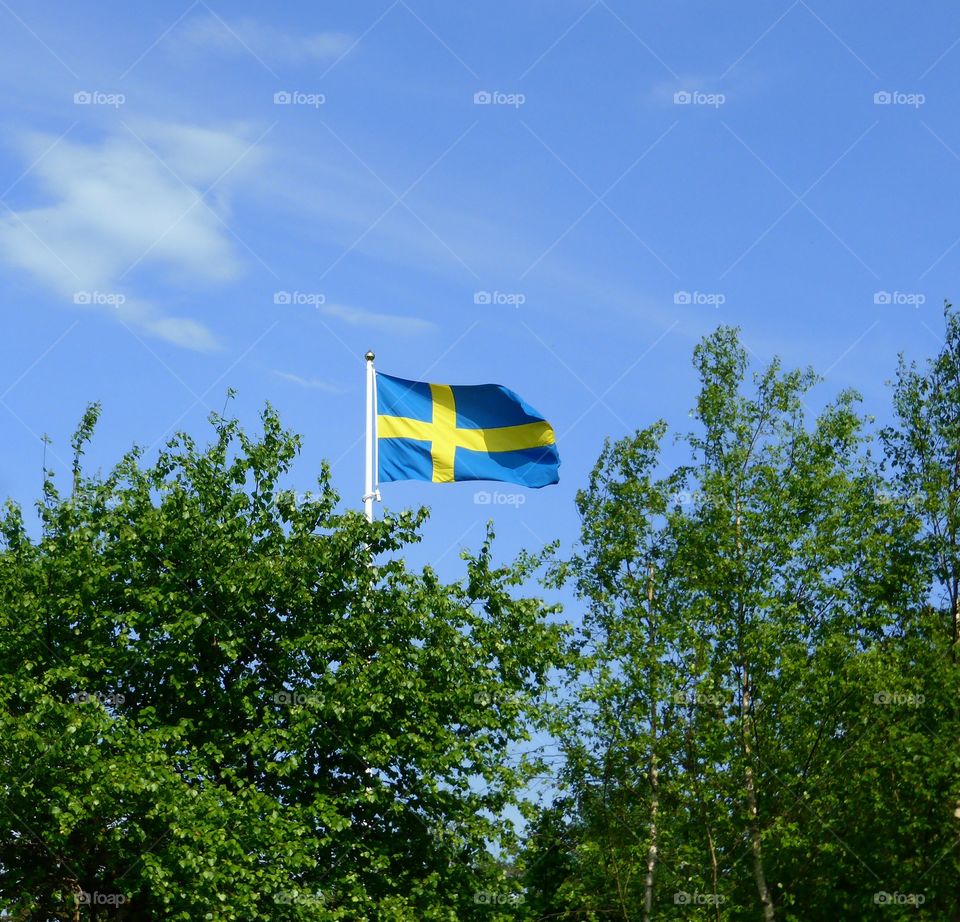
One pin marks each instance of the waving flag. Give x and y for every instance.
(445, 433)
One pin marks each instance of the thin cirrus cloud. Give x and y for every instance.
(242, 36)
(312, 383)
(392, 323)
(132, 202)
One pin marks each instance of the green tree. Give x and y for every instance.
(741, 621)
(923, 453)
(219, 700)
(623, 735)
(923, 449)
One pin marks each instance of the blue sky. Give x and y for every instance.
(634, 178)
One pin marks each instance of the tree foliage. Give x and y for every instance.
(223, 700)
(765, 723)
(219, 700)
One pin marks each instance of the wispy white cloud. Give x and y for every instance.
(690, 89)
(350, 210)
(131, 202)
(358, 317)
(312, 383)
(241, 36)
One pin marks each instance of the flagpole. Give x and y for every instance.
(368, 490)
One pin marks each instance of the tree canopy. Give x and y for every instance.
(221, 699)
(764, 722)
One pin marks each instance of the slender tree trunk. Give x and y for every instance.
(611, 843)
(693, 771)
(956, 816)
(652, 850)
(711, 845)
(955, 593)
(714, 867)
(74, 886)
(954, 579)
(753, 818)
(621, 895)
(653, 772)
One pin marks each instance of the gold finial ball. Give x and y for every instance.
(369, 356)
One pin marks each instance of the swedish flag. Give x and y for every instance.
(444, 433)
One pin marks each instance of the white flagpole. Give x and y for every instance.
(369, 493)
